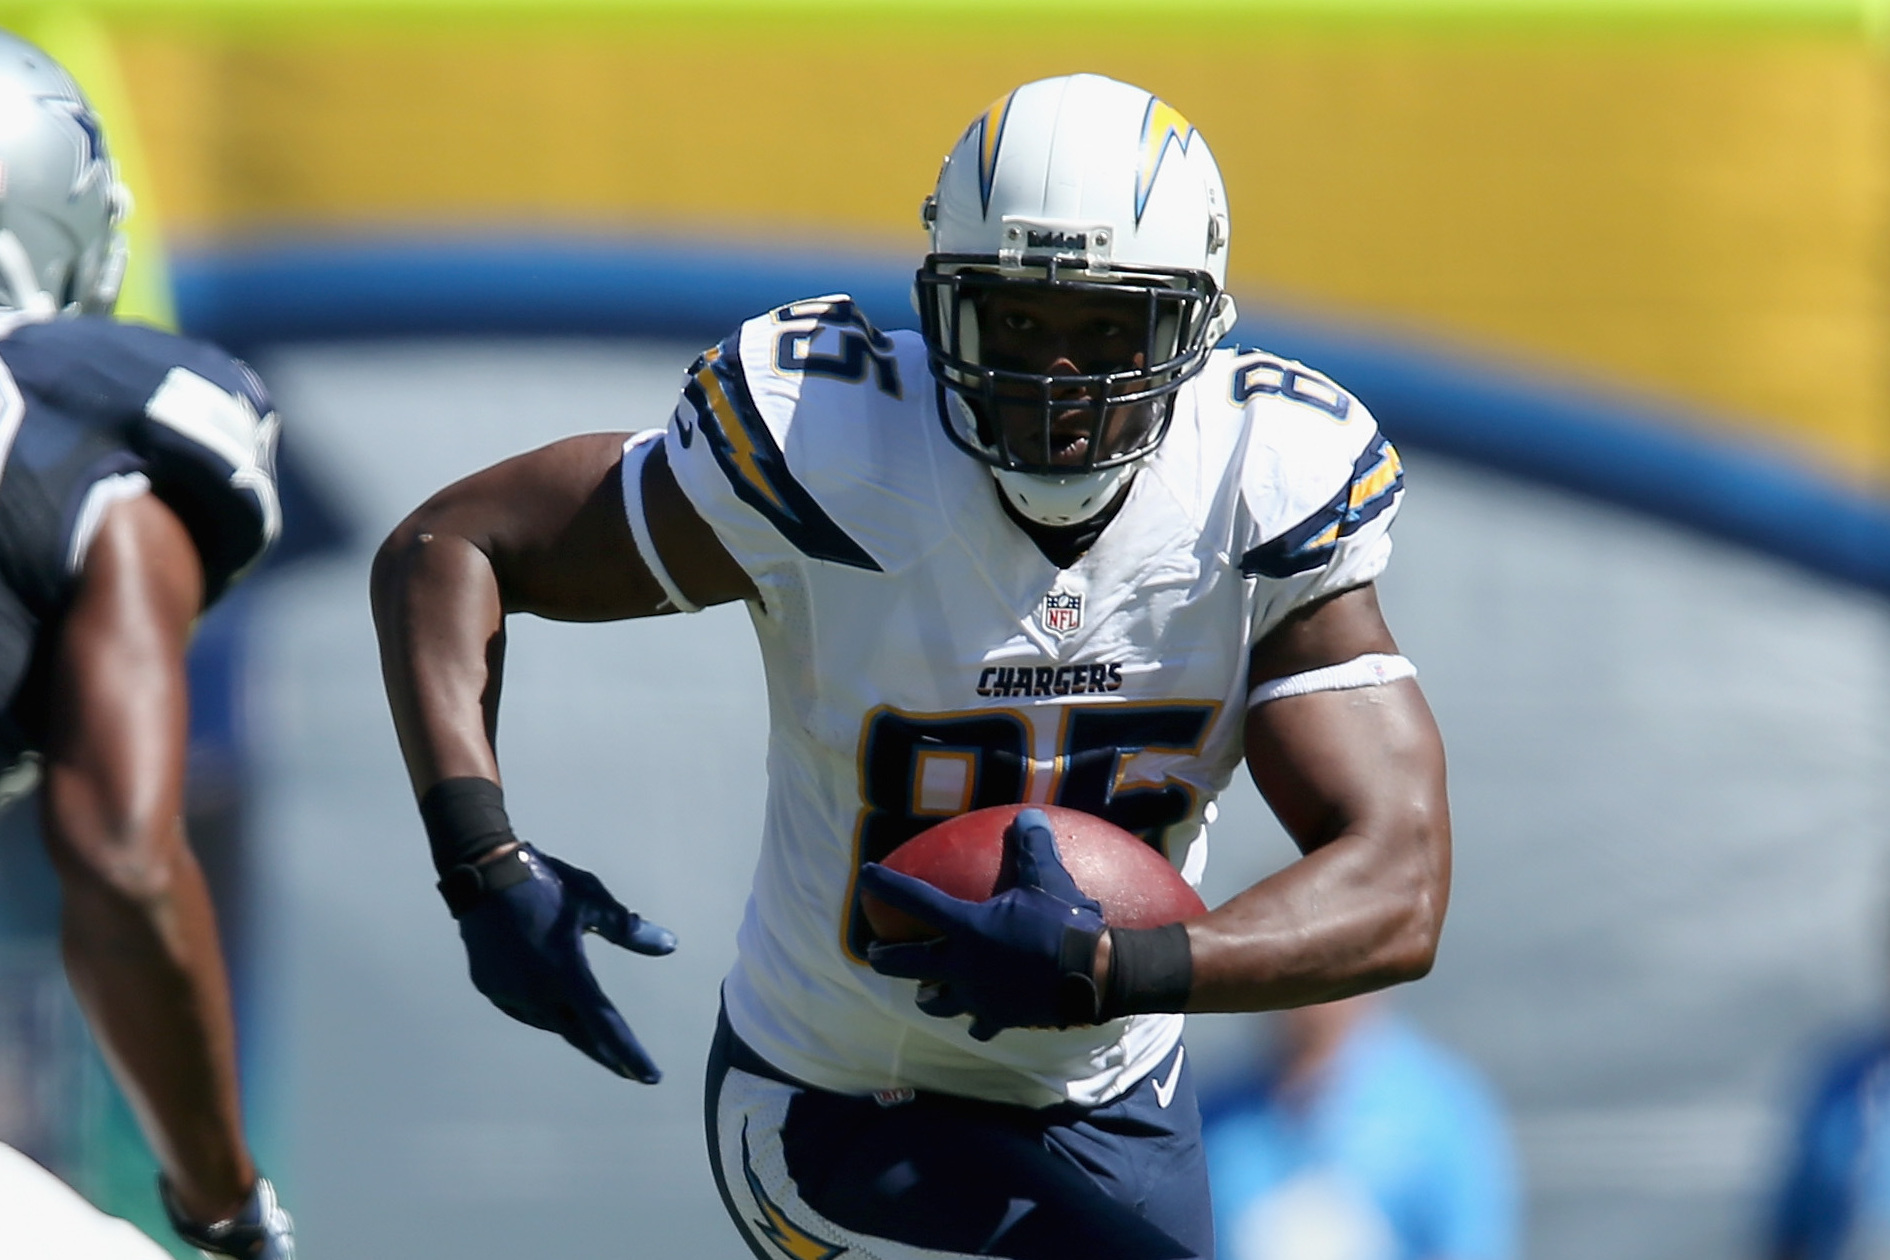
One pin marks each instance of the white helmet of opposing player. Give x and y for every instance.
(61, 202)
(1077, 185)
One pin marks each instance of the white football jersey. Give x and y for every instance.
(923, 658)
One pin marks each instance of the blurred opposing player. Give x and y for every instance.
(1056, 548)
(136, 483)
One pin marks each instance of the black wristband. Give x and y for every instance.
(465, 820)
(1077, 1000)
(1150, 969)
(466, 885)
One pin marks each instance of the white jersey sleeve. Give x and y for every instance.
(785, 440)
(1320, 486)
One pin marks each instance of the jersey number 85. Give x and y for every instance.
(984, 759)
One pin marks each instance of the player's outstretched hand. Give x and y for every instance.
(1023, 959)
(525, 946)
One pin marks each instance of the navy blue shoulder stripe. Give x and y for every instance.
(1377, 479)
(750, 458)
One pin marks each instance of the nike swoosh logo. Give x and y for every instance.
(1165, 1090)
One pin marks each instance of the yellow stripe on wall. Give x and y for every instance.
(1697, 215)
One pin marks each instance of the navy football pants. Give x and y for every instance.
(807, 1174)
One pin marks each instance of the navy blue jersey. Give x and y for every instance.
(92, 410)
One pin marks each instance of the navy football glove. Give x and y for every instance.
(1023, 959)
(525, 946)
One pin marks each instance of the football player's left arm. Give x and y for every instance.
(1357, 779)
(543, 533)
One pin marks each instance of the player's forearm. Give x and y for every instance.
(141, 950)
(1360, 913)
(1357, 778)
(139, 935)
(440, 621)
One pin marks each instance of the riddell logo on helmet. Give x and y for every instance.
(1046, 238)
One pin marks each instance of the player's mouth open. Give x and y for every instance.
(1069, 446)
(1067, 442)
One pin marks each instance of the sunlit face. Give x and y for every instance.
(1050, 333)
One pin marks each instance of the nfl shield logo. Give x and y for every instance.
(1062, 611)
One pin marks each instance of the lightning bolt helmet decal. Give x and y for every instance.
(990, 129)
(1161, 122)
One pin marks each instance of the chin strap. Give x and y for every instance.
(1060, 502)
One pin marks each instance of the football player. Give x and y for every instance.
(136, 484)
(1058, 548)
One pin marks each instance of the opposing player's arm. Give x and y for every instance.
(543, 533)
(139, 937)
(1357, 779)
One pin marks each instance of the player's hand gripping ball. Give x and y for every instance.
(987, 913)
(967, 857)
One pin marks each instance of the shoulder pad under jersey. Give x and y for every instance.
(803, 417)
(1317, 472)
(200, 421)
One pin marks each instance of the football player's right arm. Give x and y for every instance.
(543, 533)
(138, 932)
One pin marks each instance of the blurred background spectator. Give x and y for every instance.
(1357, 1137)
(1833, 1197)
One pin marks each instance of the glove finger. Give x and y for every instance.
(641, 936)
(940, 1000)
(984, 1030)
(593, 907)
(580, 886)
(916, 960)
(507, 984)
(625, 929)
(1038, 863)
(599, 1031)
(565, 998)
(914, 896)
(592, 1024)
(525, 1014)
(597, 910)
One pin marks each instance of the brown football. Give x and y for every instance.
(967, 857)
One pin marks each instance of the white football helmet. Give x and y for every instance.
(61, 202)
(1077, 184)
